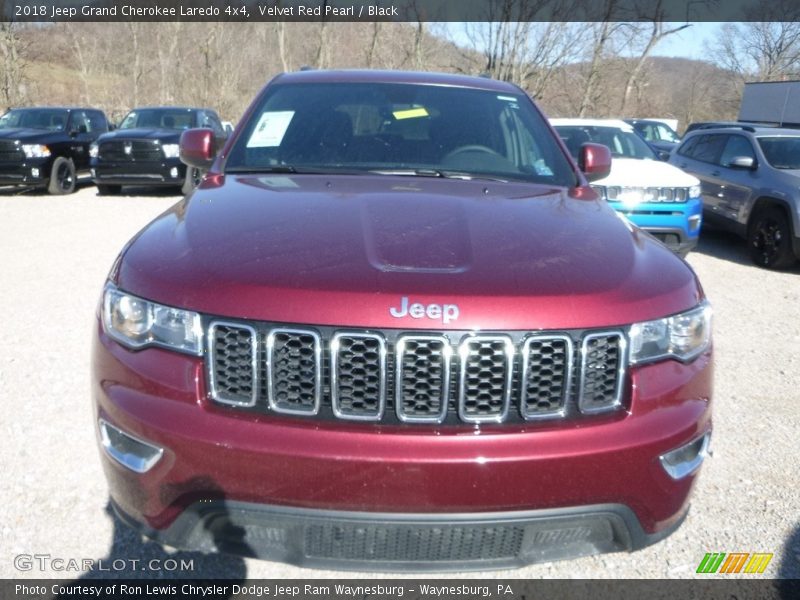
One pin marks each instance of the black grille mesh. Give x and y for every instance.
(233, 372)
(10, 151)
(547, 376)
(422, 382)
(294, 371)
(375, 376)
(139, 150)
(387, 543)
(484, 389)
(359, 390)
(601, 362)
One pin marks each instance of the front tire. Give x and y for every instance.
(769, 239)
(193, 179)
(62, 177)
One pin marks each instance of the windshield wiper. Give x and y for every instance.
(266, 169)
(426, 172)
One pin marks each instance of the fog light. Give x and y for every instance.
(684, 461)
(127, 450)
(173, 172)
(694, 222)
(34, 172)
(93, 173)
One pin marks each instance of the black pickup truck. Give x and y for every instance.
(143, 151)
(48, 147)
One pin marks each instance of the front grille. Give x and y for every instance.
(666, 195)
(391, 376)
(130, 150)
(11, 151)
(405, 543)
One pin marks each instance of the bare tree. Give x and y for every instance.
(13, 79)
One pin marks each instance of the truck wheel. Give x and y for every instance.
(193, 178)
(770, 239)
(62, 177)
(108, 190)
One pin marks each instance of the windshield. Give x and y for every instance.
(622, 143)
(35, 118)
(781, 152)
(401, 129)
(160, 118)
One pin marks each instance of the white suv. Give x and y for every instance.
(656, 196)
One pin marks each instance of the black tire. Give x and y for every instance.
(62, 177)
(193, 179)
(108, 190)
(769, 239)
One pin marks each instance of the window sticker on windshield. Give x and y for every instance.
(542, 169)
(270, 130)
(410, 113)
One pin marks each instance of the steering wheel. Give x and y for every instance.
(472, 148)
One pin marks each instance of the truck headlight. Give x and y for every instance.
(94, 150)
(694, 191)
(170, 150)
(138, 323)
(682, 336)
(35, 150)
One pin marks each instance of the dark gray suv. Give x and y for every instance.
(750, 184)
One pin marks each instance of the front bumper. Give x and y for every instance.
(677, 225)
(296, 489)
(33, 172)
(170, 172)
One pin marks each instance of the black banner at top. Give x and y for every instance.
(399, 10)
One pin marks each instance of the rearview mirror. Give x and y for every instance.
(197, 148)
(594, 160)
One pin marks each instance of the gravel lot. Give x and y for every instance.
(55, 253)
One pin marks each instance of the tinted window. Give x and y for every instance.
(781, 152)
(621, 142)
(97, 121)
(737, 145)
(707, 148)
(210, 120)
(36, 118)
(160, 118)
(391, 127)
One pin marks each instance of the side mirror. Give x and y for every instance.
(663, 155)
(594, 160)
(742, 162)
(197, 148)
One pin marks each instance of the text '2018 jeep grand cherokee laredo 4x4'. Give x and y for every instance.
(395, 328)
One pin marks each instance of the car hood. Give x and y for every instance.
(141, 133)
(344, 250)
(30, 135)
(634, 172)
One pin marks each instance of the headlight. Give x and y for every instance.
(35, 151)
(170, 150)
(138, 323)
(682, 336)
(694, 191)
(94, 150)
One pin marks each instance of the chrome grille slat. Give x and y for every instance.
(603, 357)
(358, 376)
(484, 385)
(422, 378)
(294, 371)
(232, 363)
(546, 376)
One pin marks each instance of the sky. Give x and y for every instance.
(689, 42)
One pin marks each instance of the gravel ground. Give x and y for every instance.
(54, 256)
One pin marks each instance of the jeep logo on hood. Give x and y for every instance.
(443, 312)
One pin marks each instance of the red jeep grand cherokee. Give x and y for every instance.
(395, 328)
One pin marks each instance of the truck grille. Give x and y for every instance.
(11, 151)
(130, 151)
(391, 376)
